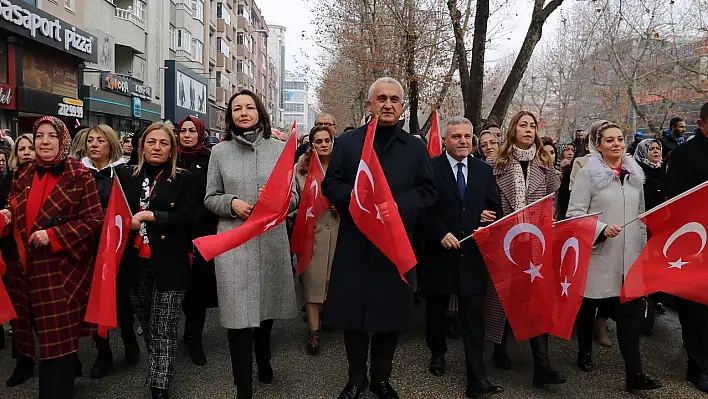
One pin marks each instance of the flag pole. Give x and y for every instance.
(576, 218)
(672, 200)
(508, 216)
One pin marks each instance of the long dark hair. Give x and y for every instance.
(263, 118)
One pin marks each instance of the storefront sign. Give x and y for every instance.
(71, 108)
(137, 107)
(31, 22)
(185, 93)
(7, 97)
(50, 72)
(122, 85)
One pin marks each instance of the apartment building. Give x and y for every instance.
(296, 105)
(240, 48)
(276, 54)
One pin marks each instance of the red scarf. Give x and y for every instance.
(618, 170)
(191, 152)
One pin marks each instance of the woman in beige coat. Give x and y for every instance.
(315, 278)
(612, 183)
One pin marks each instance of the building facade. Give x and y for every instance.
(276, 53)
(41, 69)
(296, 101)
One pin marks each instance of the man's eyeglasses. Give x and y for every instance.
(324, 124)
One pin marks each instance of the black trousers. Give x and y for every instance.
(241, 348)
(470, 315)
(383, 347)
(539, 348)
(56, 377)
(694, 322)
(194, 314)
(629, 317)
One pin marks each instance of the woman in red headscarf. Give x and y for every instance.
(194, 157)
(56, 217)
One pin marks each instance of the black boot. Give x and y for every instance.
(132, 348)
(241, 361)
(640, 382)
(196, 350)
(24, 369)
(262, 346)
(159, 393)
(543, 374)
(585, 362)
(104, 361)
(501, 358)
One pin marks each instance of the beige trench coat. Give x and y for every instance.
(315, 278)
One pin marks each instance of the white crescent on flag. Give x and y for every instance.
(572, 242)
(518, 229)
(363, 167)
(690, 227)
(316, 186)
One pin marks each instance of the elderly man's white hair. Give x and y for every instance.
(385, 79)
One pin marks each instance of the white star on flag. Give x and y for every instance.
(678, 264)
(534, 271)
(271, 224)
(565, 285)
(309, 213)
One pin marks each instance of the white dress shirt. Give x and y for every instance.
(453, 164)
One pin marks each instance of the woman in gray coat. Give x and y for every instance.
(254, 281)
(612, 183)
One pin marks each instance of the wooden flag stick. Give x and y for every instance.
(576, 217)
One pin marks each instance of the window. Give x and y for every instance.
(294, 85)
(251, 69)
(223, 13)
(184, 41)
(197, 50)
(239, 38)
(294, 107)
(198, 10)
(173, 38)
(222, 47)
(239, 66)
(69, 4)
(139, 9)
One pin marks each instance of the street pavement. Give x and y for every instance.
(298, 375)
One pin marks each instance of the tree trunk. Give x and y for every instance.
(639, 112)
(465, 83)
(533, 35)
(476, 84)
(441, 96)
(411, 36)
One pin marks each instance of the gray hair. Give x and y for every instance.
(385, 79)
(457, 120)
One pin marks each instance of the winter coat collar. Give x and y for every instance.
(89, 164)
(601, 175)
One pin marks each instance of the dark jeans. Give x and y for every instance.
(383, 347)
(241, 348)
(694, 322)
(629, 318)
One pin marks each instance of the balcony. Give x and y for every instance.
(212, 55)
(212, 88)
(212, 19)
(243, 79)
(184, 53)
(223, 61)
(242, 23)
(220, 95)
(130, 16)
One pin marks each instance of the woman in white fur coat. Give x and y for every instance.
(612, 183)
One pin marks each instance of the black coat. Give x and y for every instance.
(687, 168)
(668, 145)
(654, 194)
(366, 292)
(203, 277)
(450, 271)
(173, 203)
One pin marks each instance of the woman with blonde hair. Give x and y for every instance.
(156, 263)
(103, 157)
(78, 144)
(525, 173)
(22, 152)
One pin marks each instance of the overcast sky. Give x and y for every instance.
(295, 16)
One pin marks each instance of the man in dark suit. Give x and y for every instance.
(367, 299)
(467, 195)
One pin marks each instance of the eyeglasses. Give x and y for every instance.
(324, 124)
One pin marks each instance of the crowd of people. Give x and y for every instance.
(181, 184)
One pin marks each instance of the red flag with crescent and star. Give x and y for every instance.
(312, 205)
(374, 210)
(572, 246)
(518, 255)
(434, 140)
(270, 210)
(102, 306)
(674, 260)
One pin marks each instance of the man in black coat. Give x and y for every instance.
(466, 188)
(366, 293)
(686, 170)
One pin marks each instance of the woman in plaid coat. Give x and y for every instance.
(56, 217)
(524, 173)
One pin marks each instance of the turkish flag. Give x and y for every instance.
(434, 141)
(269, 211)
(312, 205)
(374, 210)
(674, 260)
(516, 250)
(102, 309)
(572, 246)
(7, 311)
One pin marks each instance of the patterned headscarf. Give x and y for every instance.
(641, 153)
(64, 140)
(201, 136)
